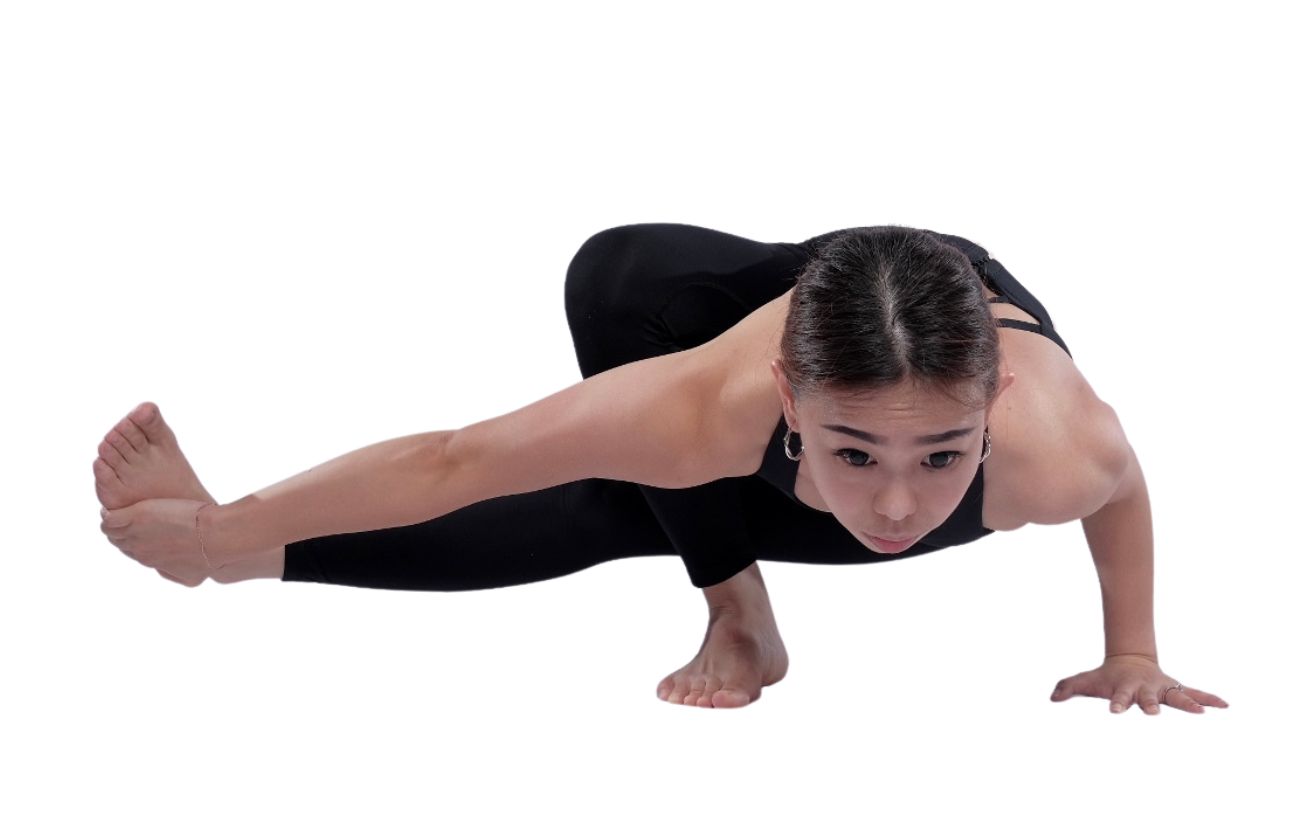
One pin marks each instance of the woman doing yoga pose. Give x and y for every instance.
(869, 394)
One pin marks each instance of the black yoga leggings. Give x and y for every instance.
(631, 292)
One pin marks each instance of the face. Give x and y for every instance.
(895, 486)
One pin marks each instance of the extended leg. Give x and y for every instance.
(503, 541)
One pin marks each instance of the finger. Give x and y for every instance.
(1121, 700)
(1148, 700)
(1064, 689)
(1206, 698)
(1180, 699)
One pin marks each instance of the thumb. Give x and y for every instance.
(1063, 691)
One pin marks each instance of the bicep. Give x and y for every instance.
(641, 422)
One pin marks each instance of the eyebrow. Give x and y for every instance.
(928, 439)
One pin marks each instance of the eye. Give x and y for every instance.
(847, 454)
(856, 459)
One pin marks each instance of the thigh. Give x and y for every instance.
(643, 290)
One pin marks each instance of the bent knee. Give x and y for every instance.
(602, 267)
(620, 269)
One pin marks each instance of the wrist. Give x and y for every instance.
(1150, 656)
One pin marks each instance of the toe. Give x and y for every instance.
(133, 434)
(730, 697)
(711, 685)
(108, 488)
(664, 689)
(104, 473)
(680, 689)
(148, 419)
(123, 446)
(698, 684)
(110, 455)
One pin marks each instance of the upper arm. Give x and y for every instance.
(641, 422)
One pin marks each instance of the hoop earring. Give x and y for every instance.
(988, 447)
(788, 432)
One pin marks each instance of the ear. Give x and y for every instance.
(787, 396)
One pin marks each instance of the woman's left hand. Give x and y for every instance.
(1128, 679)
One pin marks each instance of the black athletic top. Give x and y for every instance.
(966, 523)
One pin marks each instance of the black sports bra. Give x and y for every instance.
(966, 523)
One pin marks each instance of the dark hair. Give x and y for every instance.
(876, 306)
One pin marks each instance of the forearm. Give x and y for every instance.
(388, 484)
(1121, 539)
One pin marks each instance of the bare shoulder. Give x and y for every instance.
(670, 421)
(745, 406)
(1057, 446)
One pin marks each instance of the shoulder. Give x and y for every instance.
(743, 405)
(1068, 460)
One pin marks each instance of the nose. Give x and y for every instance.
(895, 502)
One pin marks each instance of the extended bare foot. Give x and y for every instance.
(742, 650)
(140, 459)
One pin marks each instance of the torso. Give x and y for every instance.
(1045, 375)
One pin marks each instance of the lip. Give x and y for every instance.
(891, 546)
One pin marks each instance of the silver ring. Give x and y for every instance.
(1176, 687)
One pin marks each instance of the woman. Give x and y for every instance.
(833, 401)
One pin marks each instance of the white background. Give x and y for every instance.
(302, 228)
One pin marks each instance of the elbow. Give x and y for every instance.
(441, 458)
(447, 448)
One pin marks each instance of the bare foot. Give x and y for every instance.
(742, 650)
(139, 458)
